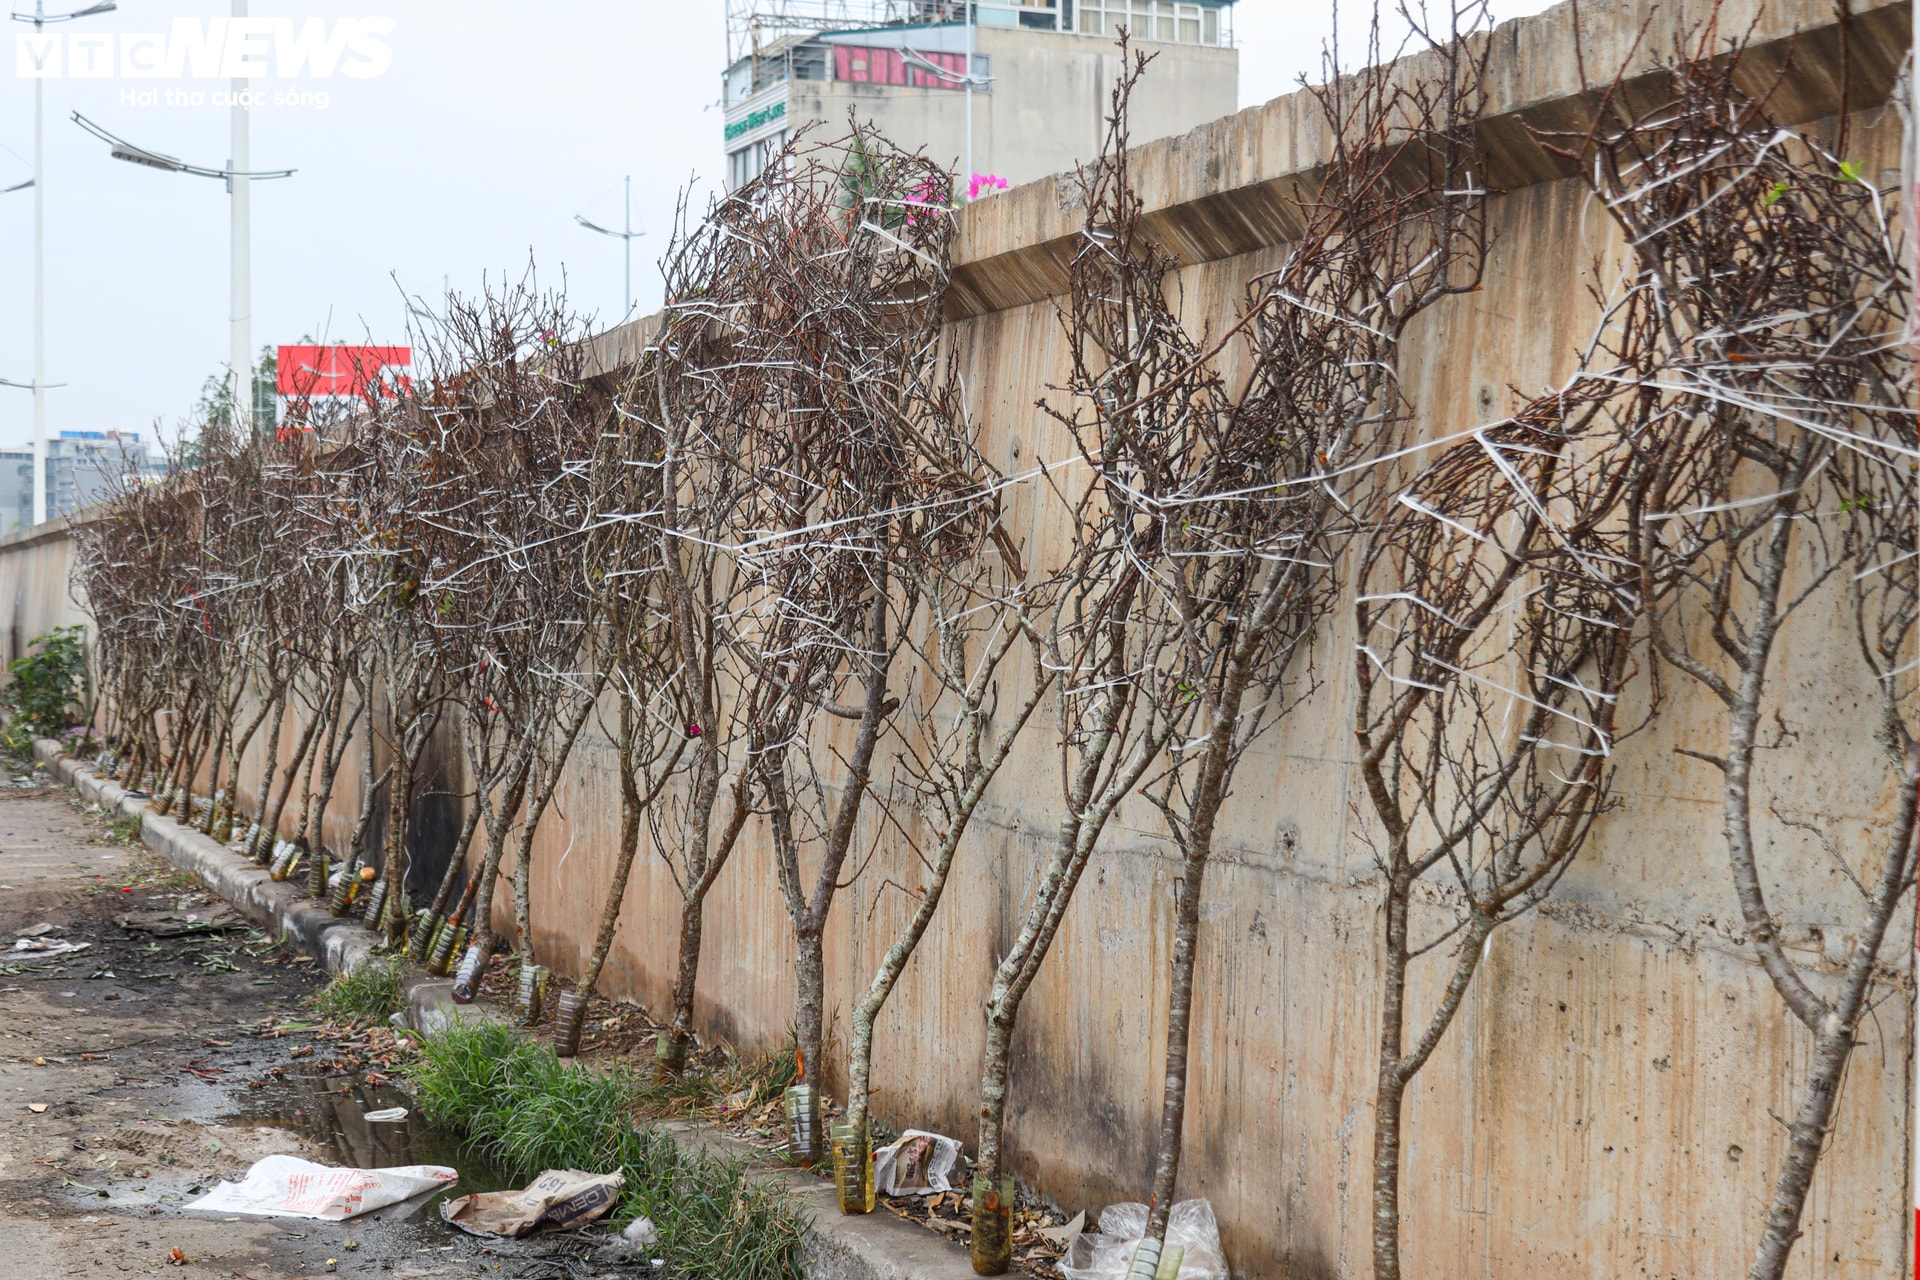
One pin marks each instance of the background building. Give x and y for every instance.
(1043, 71)
(81, 467)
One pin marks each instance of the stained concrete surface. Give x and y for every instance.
(134, 1072)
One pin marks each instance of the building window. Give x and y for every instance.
(1164, 20)
(857, 64)
(750, 161)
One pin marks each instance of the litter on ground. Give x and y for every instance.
(557, 1199)
(1108, 1253)
(915, 1165)
(44, 946)
(289, 1187)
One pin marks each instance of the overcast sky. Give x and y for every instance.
(494, 125)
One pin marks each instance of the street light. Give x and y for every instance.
(970, 81)
(236, 179)
(40, 18)
(628, 236)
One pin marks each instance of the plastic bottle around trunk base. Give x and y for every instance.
(283, 860)
(852, 1166)
(991, 1248)
(532, 996)
(452, 938)
(317, 870)
(669, 1058)
(466, 983)
(568, 1014)
(340, 900)
(1146, 1260)
(420, 935)
(805, 1145)
(376, 902)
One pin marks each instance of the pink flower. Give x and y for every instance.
(693, 731)
(984, 182)
(927, 199)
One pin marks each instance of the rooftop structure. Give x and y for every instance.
(1013, 88)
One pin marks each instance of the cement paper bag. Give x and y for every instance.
(557, 1199)
(915, 1165)
(289, 1187)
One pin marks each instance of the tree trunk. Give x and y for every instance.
(236, 749)
(1389, 1099)
(673, 1059)
(1834, 1042)
(184, 759)
(809, 1013)
(1015, 974)
(1390, 1087)
(616, 894)
(369, 798)
(313, 824)
(1173, 1102)
(498, 823)
(457, 863)
(262, 847)
(1809, 1130)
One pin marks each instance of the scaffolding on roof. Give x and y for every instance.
(754, 25)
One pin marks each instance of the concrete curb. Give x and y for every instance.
(277, 906)
(876, 1246)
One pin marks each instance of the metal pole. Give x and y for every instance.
(1911, 195)
(627, 242)
(39, 289)
(970, 169)
(39, 315)
(241, 356)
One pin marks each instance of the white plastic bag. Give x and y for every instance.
(915, 1165)
(289, 1187)
(1105, 1255)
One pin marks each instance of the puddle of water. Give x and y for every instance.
(331, 1111)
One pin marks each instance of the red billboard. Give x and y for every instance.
(369, 373)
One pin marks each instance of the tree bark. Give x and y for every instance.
(1834, 1041)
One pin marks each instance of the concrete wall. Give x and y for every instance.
(1601, 1107)
(35, 571)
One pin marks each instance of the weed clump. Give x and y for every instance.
(370, 991)
(48, 689)
(526, 1111)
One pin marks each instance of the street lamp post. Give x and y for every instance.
(241, 309)
(627, 236)
(236, 179)
(40, 18)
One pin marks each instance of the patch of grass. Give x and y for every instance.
(125, 831)
(370, 991)
(528, 1112)
(735, 1084)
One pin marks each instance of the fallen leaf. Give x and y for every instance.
(39, 1062)
(1064, 1235)
(176, 1256)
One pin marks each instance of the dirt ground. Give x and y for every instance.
(169, 1055)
